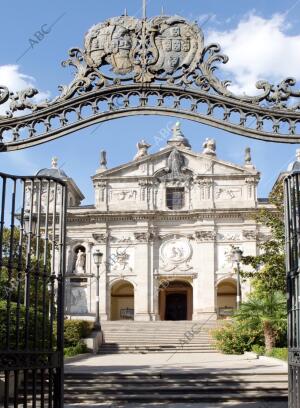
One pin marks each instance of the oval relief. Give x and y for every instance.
(176, 251)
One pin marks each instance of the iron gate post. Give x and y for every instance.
(292, 227)
(32, 271)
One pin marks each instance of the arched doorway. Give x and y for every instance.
(226, 297)
(122, 301)
(176, 300)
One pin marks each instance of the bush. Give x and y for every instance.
(75, 330)
(35, 327)
(281, 353)
(232, 339)
(260, 350)
(80, 348)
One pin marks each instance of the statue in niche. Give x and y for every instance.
(142, 147)
(209, 147)
(80, 262)
(175, 164)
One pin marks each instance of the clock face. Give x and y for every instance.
(176, 251)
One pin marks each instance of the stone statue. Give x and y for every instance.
(80, 262)
(247, 155)
(103, 160)
(54, 163)
(248, 159)
(209, 147)
(175, 164)
(142, 147)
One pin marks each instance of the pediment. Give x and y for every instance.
(193, 163)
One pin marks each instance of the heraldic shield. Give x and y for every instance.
(161, 45)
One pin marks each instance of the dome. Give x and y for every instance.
(54, 171)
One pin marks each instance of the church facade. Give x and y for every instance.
(166, 224)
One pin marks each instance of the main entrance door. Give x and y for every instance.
(176, 300)
(176, 306)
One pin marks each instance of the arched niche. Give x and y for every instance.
(226, 297)
(122, 301)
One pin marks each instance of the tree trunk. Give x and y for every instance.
(270, 336)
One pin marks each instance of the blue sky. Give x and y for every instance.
(262, 39)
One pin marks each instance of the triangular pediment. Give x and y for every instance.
(196, 163)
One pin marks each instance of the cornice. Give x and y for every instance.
(209, 214)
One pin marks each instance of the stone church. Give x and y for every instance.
(166, 223)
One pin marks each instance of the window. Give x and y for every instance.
(175, 198)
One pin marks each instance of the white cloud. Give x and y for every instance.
(258, 48)
(14, 80)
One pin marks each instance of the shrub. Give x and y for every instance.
(260, 350)
(232, 339)
(281, 353)
(80, 348)
(75, 330)
(35, 327)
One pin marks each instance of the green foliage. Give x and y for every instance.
(281, 353)
(234, 339)
(260, 350)
(269, 267)
(259, 309)
(264, 312)
(75, 330)
(256, 326)
(35, 327)
(80, 348)
(12, 277)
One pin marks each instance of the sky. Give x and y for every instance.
(261, 38)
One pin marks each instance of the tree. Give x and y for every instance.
(269, 267)
(267, 312)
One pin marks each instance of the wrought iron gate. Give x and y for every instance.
(32, 264)
(128, 66)
(292, 211)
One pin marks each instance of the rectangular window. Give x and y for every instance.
(175, 198)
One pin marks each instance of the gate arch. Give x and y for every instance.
(155, 66)
(158, 66)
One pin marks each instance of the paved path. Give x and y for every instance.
(196, 362)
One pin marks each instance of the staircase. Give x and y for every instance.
(151, 380)
(157, 337)
(169, 388)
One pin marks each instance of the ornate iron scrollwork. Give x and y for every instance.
(162, 58)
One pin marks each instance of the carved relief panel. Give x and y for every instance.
(119, 194)
(228, 192)
(175, 254)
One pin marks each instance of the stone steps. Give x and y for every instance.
(88, 388)
(158, 337)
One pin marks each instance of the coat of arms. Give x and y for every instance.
(179, 45)
(159, 46)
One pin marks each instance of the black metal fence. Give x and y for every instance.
(292, 214)
(32, 266)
